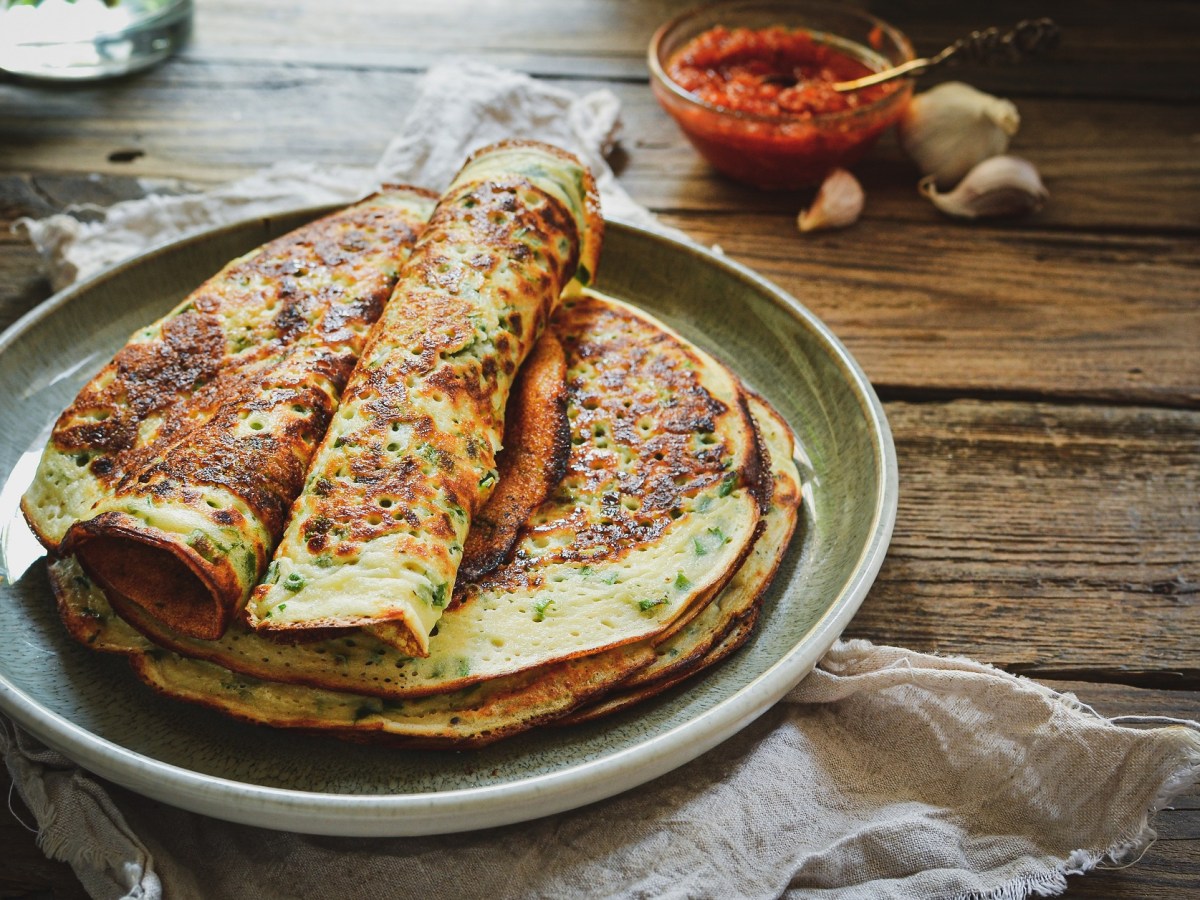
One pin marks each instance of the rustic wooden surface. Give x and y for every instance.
(1042, 377)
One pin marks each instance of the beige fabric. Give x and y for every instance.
(884, 773)
(459, 106)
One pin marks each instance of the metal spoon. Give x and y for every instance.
(1027, 38)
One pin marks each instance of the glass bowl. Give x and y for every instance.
(783, 151)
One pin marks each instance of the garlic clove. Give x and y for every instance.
(999, 186)
(838, 203)
(950, 128)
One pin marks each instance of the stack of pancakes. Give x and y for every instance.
(497, 500)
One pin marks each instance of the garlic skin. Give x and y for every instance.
(999, 186)
(838, 203)
(949, 129)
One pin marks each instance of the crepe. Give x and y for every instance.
(377, 535)
(171, 474)
(480, 714)
(725, 624)
(659, 503)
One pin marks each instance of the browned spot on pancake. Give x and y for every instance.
(759, 479)
(429, 348)
(232, 392)
(265, 470)
(187, 372)
(146, 377)
(633, 393)
(537, 441)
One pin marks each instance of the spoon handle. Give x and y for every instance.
(1027, 38)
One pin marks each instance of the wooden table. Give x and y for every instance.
(1042, 377)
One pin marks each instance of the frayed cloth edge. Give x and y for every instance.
(1137, 840)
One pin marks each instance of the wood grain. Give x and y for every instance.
(1109, 49)
(960, 310)
(24, 871)
(974, 311)
(207, 122)
(1056, 541)
(1170, 867)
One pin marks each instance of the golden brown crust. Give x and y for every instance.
(609, 347)
(738, 613)
(593, 237)
(623, 698)
(195, 367)
(170, 424)
(410, 459)
(518, 705)
(170, 580)
(537, 442)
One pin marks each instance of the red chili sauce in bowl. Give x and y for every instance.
(759, 104)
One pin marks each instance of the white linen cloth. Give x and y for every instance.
(884, 773)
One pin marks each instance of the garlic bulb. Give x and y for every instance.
(1000, 186)
(950, 128)
(838, 203)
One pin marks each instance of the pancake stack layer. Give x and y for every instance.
(431, 589)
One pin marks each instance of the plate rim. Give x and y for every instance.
(524, 798)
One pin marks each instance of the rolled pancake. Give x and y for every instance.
(171, 473)
(537, 443)
(479, 714)
(660, 502)
(377, 535)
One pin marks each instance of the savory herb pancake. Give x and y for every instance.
(725, 623)
(377, 535)
(468, 718)
(593, 685)
(658, 505)
(171, 473)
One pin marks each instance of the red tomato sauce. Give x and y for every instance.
(772, 72)
(786, 77)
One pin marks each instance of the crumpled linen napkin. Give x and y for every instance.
(884, 773)
(459, 107)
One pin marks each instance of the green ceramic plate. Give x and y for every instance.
(91, 708)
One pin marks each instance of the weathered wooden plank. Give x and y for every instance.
(1051, 540)
(942, 308)
(1123, 700)
(1151, 184)
(24, 870)
(1170, 870)
(209, 122)
(21, 286)
(1110, 49)
(1018, 310)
